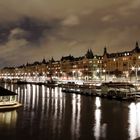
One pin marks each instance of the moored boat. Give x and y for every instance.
(119, 90)
(8, 100)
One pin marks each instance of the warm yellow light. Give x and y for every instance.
(98, 70)
(133, 68)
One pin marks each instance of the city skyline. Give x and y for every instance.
(88, 55)
(43, 29)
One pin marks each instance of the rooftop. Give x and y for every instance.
(6, 92)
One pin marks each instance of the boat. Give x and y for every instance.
(119, 90)
(8, 100)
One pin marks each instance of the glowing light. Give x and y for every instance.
(134, 120)
(8, 118)
(37, 95)
(98, 70)
(33, 96)
(98, 102)
(133, 68)
(97, 127)
(76, 109)
(73, 113)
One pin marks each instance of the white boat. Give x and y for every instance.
(8, 100)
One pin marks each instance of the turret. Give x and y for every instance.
(137, 49)
(137, 45)
(105, 51)
(43, 61)
(52, 60)
(89, 54)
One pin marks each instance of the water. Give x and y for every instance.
(49, 114)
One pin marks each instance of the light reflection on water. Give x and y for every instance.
(8, 119)
(134, 120)
(76, 110)
(57, 115)
(97, 127)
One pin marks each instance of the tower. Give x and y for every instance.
(105, 51)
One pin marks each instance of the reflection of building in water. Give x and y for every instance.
(43, 100)
(97, 127)
(134, 121)
(8, 119)
(57, 104)
(39, 102)
(76, 110)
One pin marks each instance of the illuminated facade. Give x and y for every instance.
(123, 63)
(87, 67)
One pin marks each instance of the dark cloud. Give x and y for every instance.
(34, 29)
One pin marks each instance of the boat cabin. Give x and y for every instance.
(8, 99)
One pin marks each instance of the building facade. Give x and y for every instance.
(88, 67)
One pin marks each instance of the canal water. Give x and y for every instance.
(49, 114)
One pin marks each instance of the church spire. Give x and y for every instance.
(137, 44)
(105, 50)
(137, 49)
(89, 54)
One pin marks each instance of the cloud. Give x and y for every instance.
(107, 18)
(130, 8)
(48, 9)
(34, 29)
(71, 20)
(17, 33)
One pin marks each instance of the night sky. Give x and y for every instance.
(31, 30)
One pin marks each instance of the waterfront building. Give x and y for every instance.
(88, 67)
(124, 64)
(82, 68)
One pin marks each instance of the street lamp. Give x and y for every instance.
(73, 72)
(98, 73)
(104, 71)
(136, 69)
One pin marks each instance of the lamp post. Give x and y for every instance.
(104, 71)
(136, 69)
(73, 74)
(99, 73)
